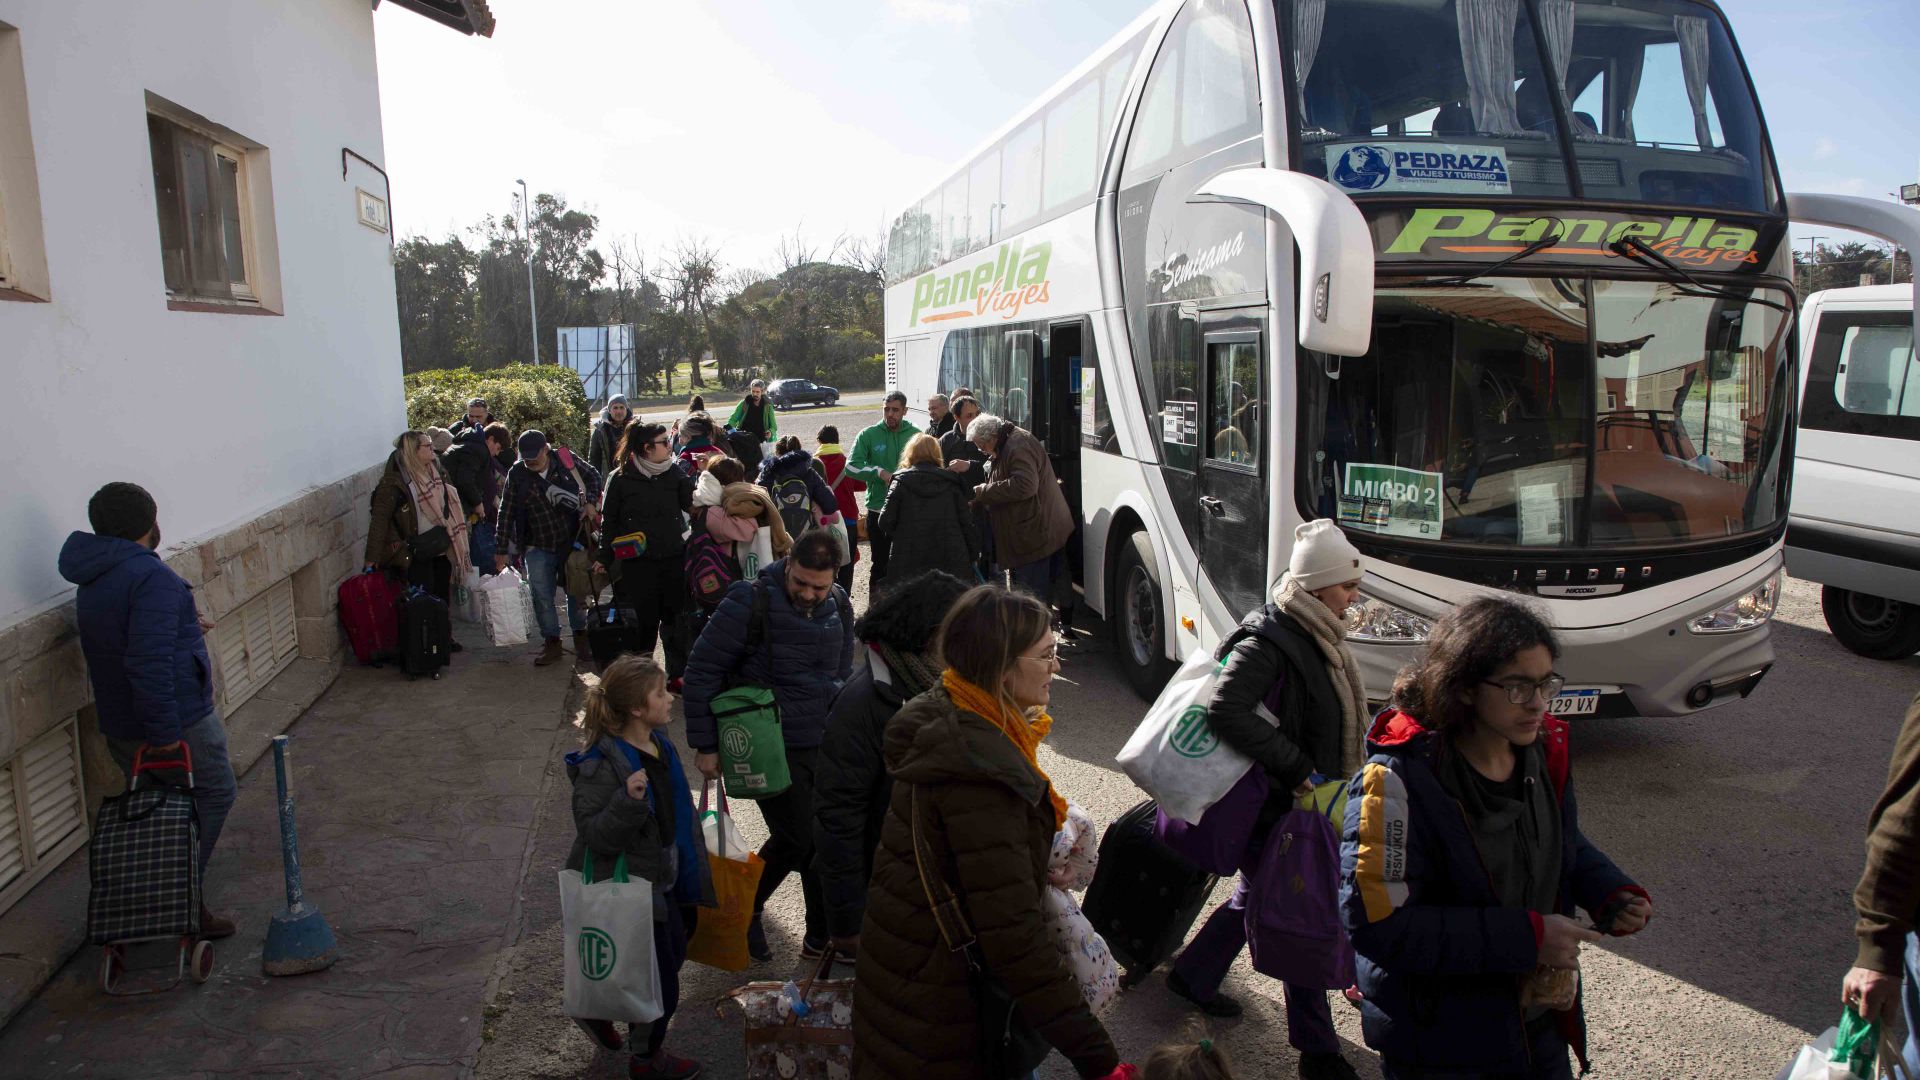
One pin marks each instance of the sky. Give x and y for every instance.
(741, 123)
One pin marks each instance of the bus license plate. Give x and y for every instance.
(1575, 703)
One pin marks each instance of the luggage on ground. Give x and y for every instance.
(814, 1039)
(144, 861)
(720, 936)
(503, 609)
(370, 615)
(426, 634)
(1144, 897)
(612, 631)
(607, 942)
(1174, 755)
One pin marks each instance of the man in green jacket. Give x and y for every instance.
(876, 454)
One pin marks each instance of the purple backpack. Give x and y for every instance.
(1293, 905)
(710, 568)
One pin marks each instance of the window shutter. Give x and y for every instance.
(50, 777)
(13, 849)
(253, 644)
(200, 183)
(167, 201)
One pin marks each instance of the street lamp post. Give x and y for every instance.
(526, 228)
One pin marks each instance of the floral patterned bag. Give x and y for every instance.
(1070, 867)
(814, 1044)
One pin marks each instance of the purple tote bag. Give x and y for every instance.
(1293, 905)
(1220, 842)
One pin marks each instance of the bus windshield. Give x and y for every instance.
(1558, 413)
(1465, 97)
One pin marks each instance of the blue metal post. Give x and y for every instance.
(289, 841)
(298, 939)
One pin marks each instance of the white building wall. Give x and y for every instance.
(222, 416)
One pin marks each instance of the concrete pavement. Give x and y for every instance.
(417, 801)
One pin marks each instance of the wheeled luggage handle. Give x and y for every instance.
(141, 764)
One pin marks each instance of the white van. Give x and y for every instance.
(1855, 526)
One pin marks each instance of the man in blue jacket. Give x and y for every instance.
(146, 650)
(792, 632)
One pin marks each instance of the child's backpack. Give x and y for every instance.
(795, 503)
(710, 566)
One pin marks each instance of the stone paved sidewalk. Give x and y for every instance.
(417, 803)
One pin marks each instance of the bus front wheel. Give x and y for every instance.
(1139, 621)
(1872, 626)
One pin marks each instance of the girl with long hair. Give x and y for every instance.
(413, 497)
(641, 519)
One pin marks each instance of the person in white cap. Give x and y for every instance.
(1290, 698)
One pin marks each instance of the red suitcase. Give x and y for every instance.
(370, 614)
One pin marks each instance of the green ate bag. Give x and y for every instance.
(753, 751)
(1855, 1044)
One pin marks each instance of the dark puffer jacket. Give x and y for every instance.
(392, 522)
(799, 463)
(466, 465)
(927, 519)
(1272, 662)
(987, 820)
(604, 445)
(851, 789)
(804, 659)
(654, 505)
(141, 635)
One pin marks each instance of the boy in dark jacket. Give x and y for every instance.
(630, 798)
(146, 650)
(791, 630)
(851, 788)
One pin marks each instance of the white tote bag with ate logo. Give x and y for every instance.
(607, 935)
(1174, 755)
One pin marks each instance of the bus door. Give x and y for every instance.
(1056, 405)
(1234, 457)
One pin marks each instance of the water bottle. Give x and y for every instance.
(790, 993)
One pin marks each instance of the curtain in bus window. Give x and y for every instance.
(1556, 25)
(1692, 32)
(1486, 48)
(1309, 19)
(1627, 67)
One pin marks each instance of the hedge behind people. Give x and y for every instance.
(542, 397)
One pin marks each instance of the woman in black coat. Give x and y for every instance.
(650, 494)
(926, 516)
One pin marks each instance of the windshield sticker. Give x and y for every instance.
(1412, 498)
(1700, 243)
(1180, 423)
(1420, 166)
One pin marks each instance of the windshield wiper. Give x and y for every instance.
(1529, 251)
(1632, 247)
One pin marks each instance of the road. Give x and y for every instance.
(1744, 823)
(862, 406)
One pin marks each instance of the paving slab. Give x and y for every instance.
(416, 804)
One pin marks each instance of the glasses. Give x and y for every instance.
(1051, 656)
(1521, 692)
(661, 442)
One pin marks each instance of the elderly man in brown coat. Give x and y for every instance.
(1031, 520)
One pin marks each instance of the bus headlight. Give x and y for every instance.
(1750, 612)
(1376, 621)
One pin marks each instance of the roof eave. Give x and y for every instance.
(467, 16)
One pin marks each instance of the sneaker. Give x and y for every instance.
(549, 653)
(757, 940)
(214, 927)
(1326, 1067)
(662, 1066)
(604, 1032)
(1219, 1005)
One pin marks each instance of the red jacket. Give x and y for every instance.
(833, 467)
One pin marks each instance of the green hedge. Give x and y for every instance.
(522, 396)
(866, 373)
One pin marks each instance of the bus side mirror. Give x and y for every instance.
(1336, 251)
(1896, 224)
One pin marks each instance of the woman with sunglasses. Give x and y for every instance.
(1463, 861)
(642, 520)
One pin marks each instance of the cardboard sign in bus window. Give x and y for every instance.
(1392, 501)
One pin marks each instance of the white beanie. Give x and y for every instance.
(1322, 556)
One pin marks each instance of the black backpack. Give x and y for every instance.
(794, 501)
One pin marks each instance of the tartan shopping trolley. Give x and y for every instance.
(145, 875)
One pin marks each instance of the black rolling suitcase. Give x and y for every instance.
(612, 631)
(1144, 897)
(426, 634)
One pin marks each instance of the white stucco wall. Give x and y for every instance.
(221, 416)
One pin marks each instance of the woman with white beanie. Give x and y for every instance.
(1290, 698)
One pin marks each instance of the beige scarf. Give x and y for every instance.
(431, 511)
(1329, 631)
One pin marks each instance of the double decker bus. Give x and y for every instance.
(1500, 286)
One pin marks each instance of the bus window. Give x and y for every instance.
(1233, 420)
(1201, 94)
(1073, 141)
(983, 195)
(1017, 402)
(1020, 175)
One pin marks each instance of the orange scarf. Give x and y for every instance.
(1022, 733)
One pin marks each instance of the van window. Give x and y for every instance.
(1878, 374)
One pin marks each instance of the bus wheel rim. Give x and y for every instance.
(1141, 615)
(1873, 614)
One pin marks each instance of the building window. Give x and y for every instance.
(202, 192)
(23, 256)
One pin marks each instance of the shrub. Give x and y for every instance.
(545, 396)
(865, 373)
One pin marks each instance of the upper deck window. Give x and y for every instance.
(1466, 97)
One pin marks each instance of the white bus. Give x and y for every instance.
(1498, 285)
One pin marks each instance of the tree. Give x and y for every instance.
(434, 282)
(1840, 266)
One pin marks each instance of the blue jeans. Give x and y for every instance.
(213, 785)
(1910, 1001)
(482, 545)
(1037, 576)
(543, 573)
